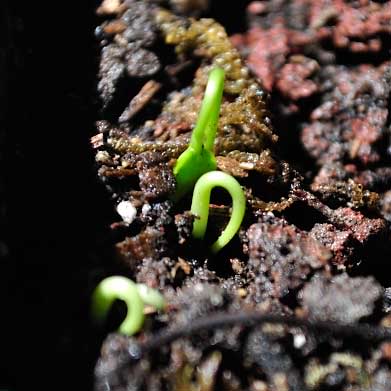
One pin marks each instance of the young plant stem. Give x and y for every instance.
(200, 206)
(199, 157)
(134, 295)
(151, 297)
(204, 133)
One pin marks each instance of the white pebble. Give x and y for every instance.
(145, 209)
(299, 341)
(127, 211)
(247, 165)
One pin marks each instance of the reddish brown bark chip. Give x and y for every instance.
(97, 141)
(362, 228)
(358, 27)
(109, 7)
(147, 244)
(294, 78)
(283, 253)
(339, 242)
(351, 121)
(269, 49)
(342, 299)
(142, 98)
(386, 350)
(256, 7)
(114, 27)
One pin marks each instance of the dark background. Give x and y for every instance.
(53, 213)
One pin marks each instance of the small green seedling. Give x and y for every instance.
(134, 295)
(199, 157)
(200, 206)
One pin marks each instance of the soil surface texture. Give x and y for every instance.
(305, 128)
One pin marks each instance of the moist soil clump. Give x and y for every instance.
(305, 128)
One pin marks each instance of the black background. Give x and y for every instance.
(53, 213)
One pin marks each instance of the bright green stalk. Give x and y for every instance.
(200, 206)
(199, 157)
(134, 295)
(151, 297)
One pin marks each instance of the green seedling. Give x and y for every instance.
(199, 157)
(134, 295)
(200, 206)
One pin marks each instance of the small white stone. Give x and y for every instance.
(145, 209)
(299, 341)
(102, 157)
(246, 165)
(216, 300)
(127, 211)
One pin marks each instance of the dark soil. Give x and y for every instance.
(300, 299)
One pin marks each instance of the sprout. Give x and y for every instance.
(200, 206)
(134, 295)
(199, 157)
(151, 296)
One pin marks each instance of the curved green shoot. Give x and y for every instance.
(151, 297)
(134, 295)
(200, 206)
(199, 157)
